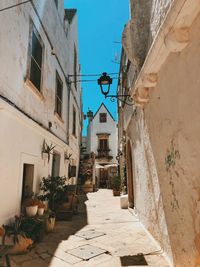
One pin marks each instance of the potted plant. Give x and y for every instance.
(116, 185)
(15, 236)
(31, 206)
(67, 157)
(46, 150)
(41, 208)
(54, 190)
(50, 222)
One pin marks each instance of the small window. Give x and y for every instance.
(35, 74)
(59, 93)
(74, 122)
(102, 117)
(56, 3)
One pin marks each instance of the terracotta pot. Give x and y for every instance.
(87, 188)
(116, 193)
(50, 224)
(31, 211)
(19, 247)
(40, 211)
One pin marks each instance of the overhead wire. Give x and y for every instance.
(15, 5)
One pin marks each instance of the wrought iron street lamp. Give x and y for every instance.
(105, 81)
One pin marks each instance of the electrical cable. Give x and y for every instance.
(78, 81)
(9, 7)
(85, 75)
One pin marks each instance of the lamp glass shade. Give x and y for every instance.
(105, 81)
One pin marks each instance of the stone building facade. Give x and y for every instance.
(39, 100)
(159, 135)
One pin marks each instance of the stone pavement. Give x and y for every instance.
(107, 229)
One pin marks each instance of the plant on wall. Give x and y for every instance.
(67, 156)
(46, 149)
(172, 155)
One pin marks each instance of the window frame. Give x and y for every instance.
(56, 3)
(34, 30)
(57, 97)
(102, 115)
(74, 122)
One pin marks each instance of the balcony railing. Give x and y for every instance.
(103, 153)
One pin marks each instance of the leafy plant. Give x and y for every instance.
(116, 182)
(54, 190)
(33, 227)
(67, 156)
(47, 149)
(171, 157)
(14, 229)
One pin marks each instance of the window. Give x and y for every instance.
(27, 186)
(36, 55)
(56, 3)
(55, 171)
(102, 117)
(74, 122)
(59, 93)
(103, 144)
(75, 67)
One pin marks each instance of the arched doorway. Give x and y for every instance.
(130, 175)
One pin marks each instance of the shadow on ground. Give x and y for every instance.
(51, 251)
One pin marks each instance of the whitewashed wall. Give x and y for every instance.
(21, 138)
(109, 127)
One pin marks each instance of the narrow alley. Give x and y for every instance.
(104, 233)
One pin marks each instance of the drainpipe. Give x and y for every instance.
(68, 105)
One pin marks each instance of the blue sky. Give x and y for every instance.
(100, 27)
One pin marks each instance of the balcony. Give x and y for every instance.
(103, 153)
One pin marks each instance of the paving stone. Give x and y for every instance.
(21, 258)
(62, 255)
(89, 234)
(34, 263)
(55, 262)
(86, 252)
(45, 256)
(123, 235)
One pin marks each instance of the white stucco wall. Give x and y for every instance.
(21, 138)
(109, 127)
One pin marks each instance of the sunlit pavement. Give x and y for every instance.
(111, 231)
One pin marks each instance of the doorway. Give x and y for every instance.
(55, 171)
(130, 176)
(103, 178)
(27, 185)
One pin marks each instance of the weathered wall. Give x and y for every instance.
(21, 138)
(158, 12)
(173, 123)
(147, 194)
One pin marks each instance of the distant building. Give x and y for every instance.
(39, 101)
(102, 141)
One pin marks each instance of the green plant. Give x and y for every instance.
(14, 229)
(54, 190)
(47, 149)
(116, 182)
(67, 156)
(34, 228)
(172, 155)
